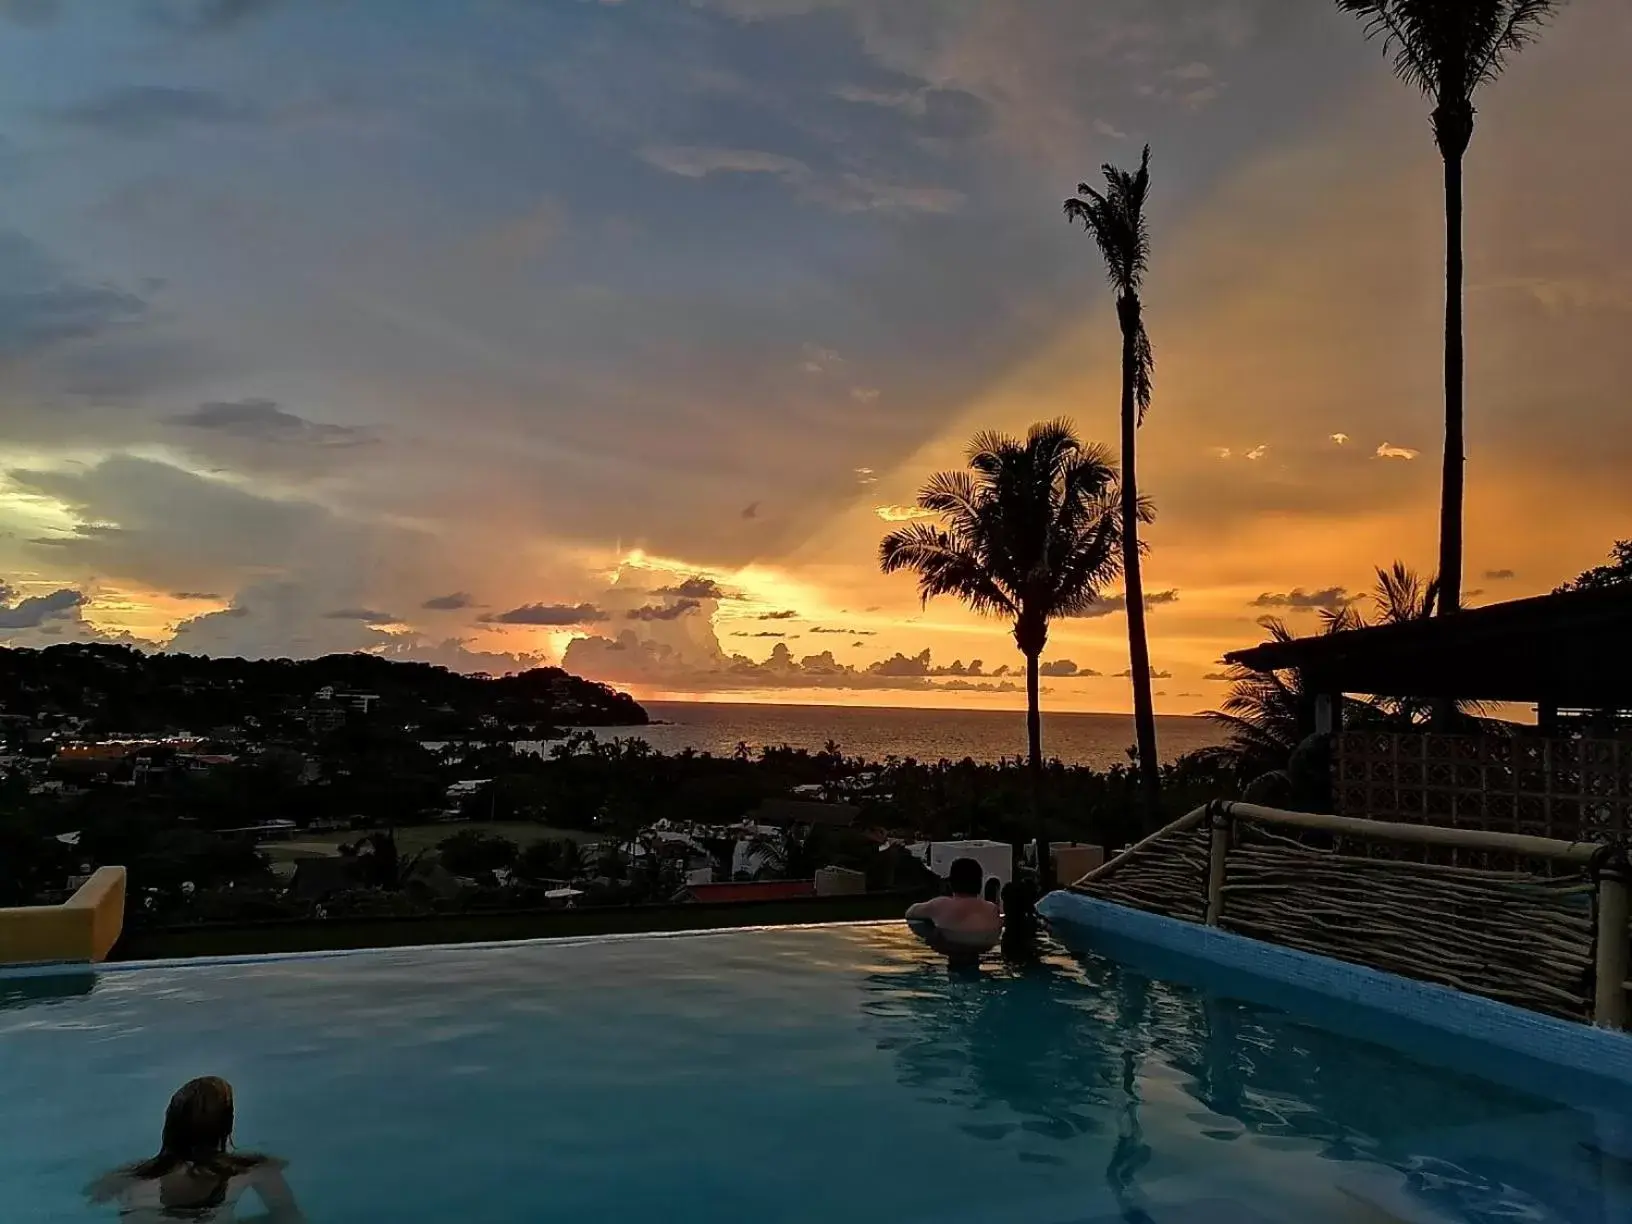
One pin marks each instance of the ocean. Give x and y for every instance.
(876, 732)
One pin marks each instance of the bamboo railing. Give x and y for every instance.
(1557, 940)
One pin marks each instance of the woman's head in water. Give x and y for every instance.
(965, 877)
(197, 1127)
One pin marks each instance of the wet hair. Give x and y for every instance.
(965, 877)
(197, 1133)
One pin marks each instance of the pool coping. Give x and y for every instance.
(1602, 1054)
(60, 968)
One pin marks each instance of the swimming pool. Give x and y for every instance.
(797, 1075)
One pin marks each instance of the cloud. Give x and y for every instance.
(750, 511)
(1259, 451)
(663, 612)
(42, 305)
(548, 614)
(1223, 452)
(694, 588)
(1110, 130)
(846, 192)
(1218, 676)
(1387, 451)
(866, 476)
(262, 420)
(1332, 599)
(1193, 71)
(36, 610)
(147, 110)
(1342, 439)
(199, 596)
(1498, 575)
(847, 632)
(1127, 674)
(1119, 603)
(763, 633)
(784, 614)
(1064, 667)
(901, 514)
(448, 603)
(366, 616)
(864, 395)
(699, 161)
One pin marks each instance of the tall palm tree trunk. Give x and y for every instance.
(1144, 711)
(1450, 502)
(1453, 129)
(1034, 742)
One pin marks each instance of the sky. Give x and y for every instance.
(615, 335)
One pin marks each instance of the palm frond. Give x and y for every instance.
(1525, 22)
(1144, 371)
(1115, 218)
(1401, 39)
(944, 567)
(1448, 48)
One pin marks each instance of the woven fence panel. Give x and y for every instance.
(1522, 939)
(1167, 877)
(1569, 789)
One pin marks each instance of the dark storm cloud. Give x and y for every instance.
(695, 588)
(1331, 599)
(34, 611)
(1119, 603)
(147, 110)
(42, 305)
(559, 615)
(448, 603)
(663, 612)
(263, 420)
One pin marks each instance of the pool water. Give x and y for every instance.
(796, 1075)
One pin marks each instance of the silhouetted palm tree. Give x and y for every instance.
(1267, 714)
(1029, 532)
(1447, 49)
(1116, 219)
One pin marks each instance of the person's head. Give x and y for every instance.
(965, 877)
(198, 1122)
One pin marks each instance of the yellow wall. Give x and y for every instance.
(83, 928)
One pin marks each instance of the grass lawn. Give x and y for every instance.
(413, 838)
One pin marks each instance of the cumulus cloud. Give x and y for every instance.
(560, 615)
(148, 110)
(1388, 451)
(629, 658)
(1332, 599)
(1127, 674)
(263, 420)
(1342, 439)
(1064, 667)
(1119, 603)
(1218, 676)
(448, 603)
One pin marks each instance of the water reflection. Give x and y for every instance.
(1061, 1057)
(34, 989)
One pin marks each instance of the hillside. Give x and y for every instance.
(117, 691)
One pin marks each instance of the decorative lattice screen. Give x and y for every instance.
(1570, 789)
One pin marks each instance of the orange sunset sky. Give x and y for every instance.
(616, 334)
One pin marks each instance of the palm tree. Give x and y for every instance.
(1028, 532)
(1116, 219)
(1447, 49)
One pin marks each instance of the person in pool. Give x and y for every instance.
(963, 923)
(194, 1176)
